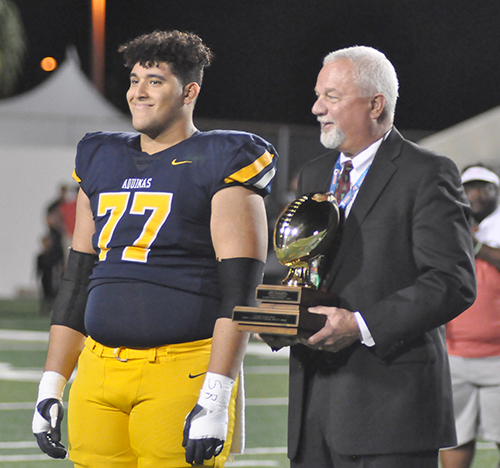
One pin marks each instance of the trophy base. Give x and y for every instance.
(283, 311)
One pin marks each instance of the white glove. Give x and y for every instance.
(205, 428)
(48, 415)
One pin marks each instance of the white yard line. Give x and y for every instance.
(8, 372)
(249, 463)
(266, 370)
(262, 349)
(264, 451)
(24, 335)
(266, 401)
(24, 458)
(18, 445)
(17, 406)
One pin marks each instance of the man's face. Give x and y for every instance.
(483, 198)
(155, 98)
(343, 112)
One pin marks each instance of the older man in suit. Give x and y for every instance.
(372, 388)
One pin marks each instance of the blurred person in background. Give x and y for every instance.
(473, 338)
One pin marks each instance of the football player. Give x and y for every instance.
(170, 235)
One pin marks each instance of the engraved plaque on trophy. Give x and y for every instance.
(302, 235)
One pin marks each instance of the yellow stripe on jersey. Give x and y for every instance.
(77, 179)
(247, 172)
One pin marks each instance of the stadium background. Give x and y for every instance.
(268, 53)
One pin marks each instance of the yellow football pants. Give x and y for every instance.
(127, 406)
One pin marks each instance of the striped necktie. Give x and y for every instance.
(344, 184)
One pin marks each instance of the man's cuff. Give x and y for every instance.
(366, 336)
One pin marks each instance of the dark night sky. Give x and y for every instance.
(268, 52)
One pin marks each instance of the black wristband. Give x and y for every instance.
(69, 307)
(238, 278)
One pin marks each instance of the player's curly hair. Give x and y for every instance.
(185, 53)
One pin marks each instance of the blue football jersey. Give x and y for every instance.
(152, 212)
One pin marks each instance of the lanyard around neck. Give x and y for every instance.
(353, 190)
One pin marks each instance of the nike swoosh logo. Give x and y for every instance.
(176, 163)
(191, 376)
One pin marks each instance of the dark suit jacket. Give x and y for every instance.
(405, 261)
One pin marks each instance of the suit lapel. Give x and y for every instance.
(379, 175)
(324, 178)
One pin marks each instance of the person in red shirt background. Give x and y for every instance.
(67, 208)
(473, 338)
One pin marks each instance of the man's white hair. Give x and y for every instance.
(373, 73)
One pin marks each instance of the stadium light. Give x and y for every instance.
(48, 64)
(98, 41)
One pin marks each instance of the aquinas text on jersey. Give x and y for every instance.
(137, 183)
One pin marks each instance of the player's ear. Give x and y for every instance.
(191, 92)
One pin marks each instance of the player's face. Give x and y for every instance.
(342, 110)
(155, 99)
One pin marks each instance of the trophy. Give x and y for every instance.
(302, 235)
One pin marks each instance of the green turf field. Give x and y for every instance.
(21, 360)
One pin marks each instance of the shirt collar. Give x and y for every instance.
(362, 160)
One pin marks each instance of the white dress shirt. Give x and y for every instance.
(360, 163)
